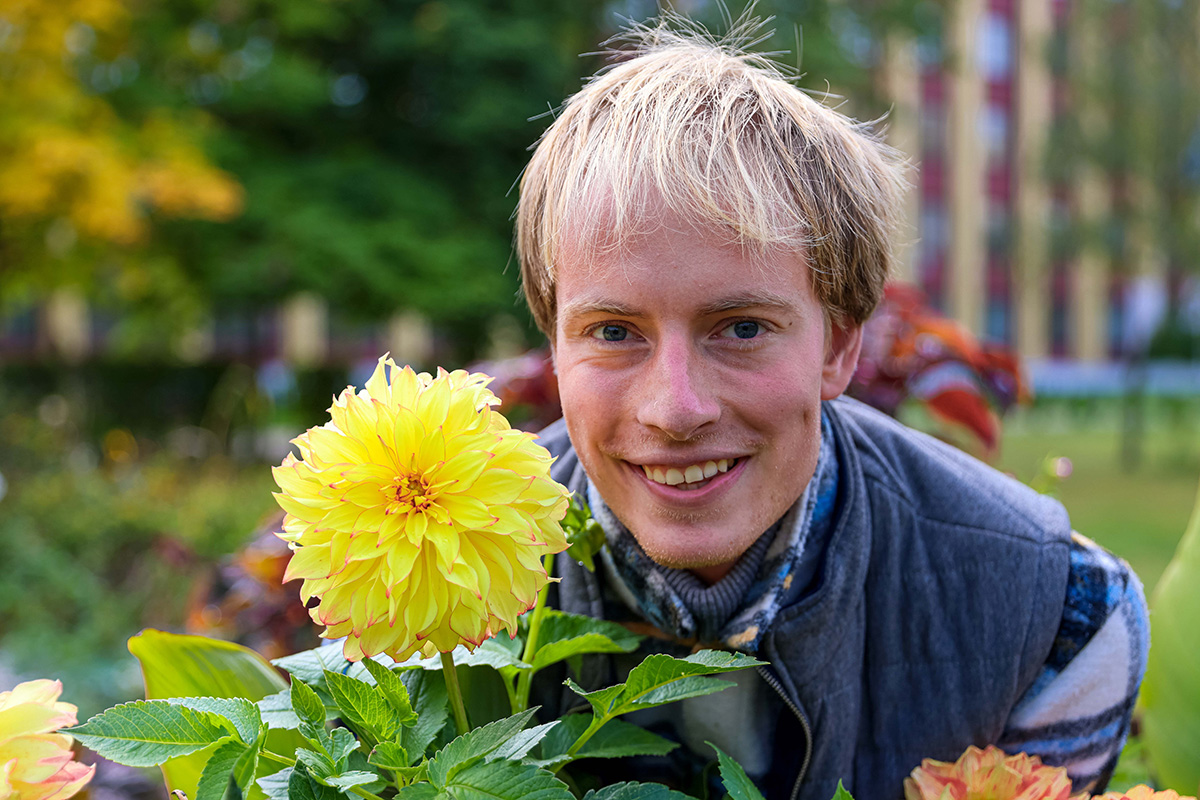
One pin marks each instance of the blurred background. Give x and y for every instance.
(214, 214)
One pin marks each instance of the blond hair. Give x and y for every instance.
(724, 139)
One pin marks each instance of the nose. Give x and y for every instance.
(678, 394)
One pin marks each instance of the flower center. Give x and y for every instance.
(410, 490)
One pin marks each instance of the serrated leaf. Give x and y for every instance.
(175, 665)
(389, 755)
(310, 665)
(315, 762)
(277, 712)
(303, 787)
(240, 712)
(218, 771)
(516, 747)
(679, 689)
(563, 635)
(306, 704)
(841, 793)
(348, 780)
(601, 700)
(736, 781)
(357, 762)
(419, 791)
(275, 785)
(363, 706)
(147, 733)
(630, 790)
(247, 764)
(615, 740)
(474, 745)
(659, 669)
(430, 702)
(341, 743)
(506, 780)
(394, 691)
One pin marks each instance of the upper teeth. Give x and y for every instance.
(673, 476)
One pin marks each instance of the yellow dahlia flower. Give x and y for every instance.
(989, 774)
(418, 516)
(35, 762)
(1143, 792)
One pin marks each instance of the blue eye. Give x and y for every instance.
(611, 333)
(745, 329)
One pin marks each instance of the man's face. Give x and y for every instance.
(691, 375)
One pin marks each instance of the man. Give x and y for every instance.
(702, 242)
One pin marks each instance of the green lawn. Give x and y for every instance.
(1138, 514)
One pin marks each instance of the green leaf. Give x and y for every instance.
(841, 793)
(174, 665)
(389, 755)
(310, 665)
(516, 747)
(474, 745)
(635, 791)
(677, 689)
(240, 712)
(277, 712)
(306, 704)
(419, 791)
(348, 780)
(564, 635)
(362, 706)
(497, 652)
(147, 733)
(219, 771)
(247, 765)
(601, 700)
(315, 762)
(301, 786)
(430, 702)
(658, 670)
(1170, 699)
(341, 743)
(394, 691)
(506, 780)
(275, 785)
(737, 782)
(615, 740)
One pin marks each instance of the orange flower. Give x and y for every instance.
(35, 762)
(1143, 792)
(989, 774)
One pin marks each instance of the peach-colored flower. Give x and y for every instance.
(989, 774)
(35, 762)
(1142, 792)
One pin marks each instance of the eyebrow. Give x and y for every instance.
(731, 303)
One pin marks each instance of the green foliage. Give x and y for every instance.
(738, 784)
(145, 734)
(563, 636)
(615, 740)
(1170, 697)
(634, 791)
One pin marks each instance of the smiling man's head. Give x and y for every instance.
(702, 241)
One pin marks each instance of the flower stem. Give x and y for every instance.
(455, 692)
(525, 680)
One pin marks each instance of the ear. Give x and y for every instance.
(841, 358)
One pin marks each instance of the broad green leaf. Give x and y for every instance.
(474, 745)
(430, 702)
(363, 706)
(275, 785)
(616, 739)
(315, 762)
(310, 665)
(394, 691)
(147, 733)
(358, 762)
(301, 786)
(342, 744)
(635, 791)
(242, 713)
(516, 747)
(389, 755)
(564, 635)
(348, 780)
(419, 791)
(506, 780)
(277, 712)
(603, 701)
(247, 765)
(658, 670)
(678, 689)
(306, 704)
(1170, 697)
(497, 652)
(174, 665)
(737, 782)
(841, 793)
(215, 777)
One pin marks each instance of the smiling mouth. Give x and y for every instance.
(691, 477)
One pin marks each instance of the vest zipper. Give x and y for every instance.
(773, 682)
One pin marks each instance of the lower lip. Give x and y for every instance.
(717, 484)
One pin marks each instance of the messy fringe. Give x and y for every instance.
(723, 138)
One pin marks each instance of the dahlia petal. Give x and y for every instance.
(445, 540)
(467, 511)
(434, 403)
(31, 718)
(463, 468)
(334, 447)
(377, 385)
(364, 495)
(400, 559)
(499, 486)
(432, 450)
(67, 781)
(289, 479)
(299, 510)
